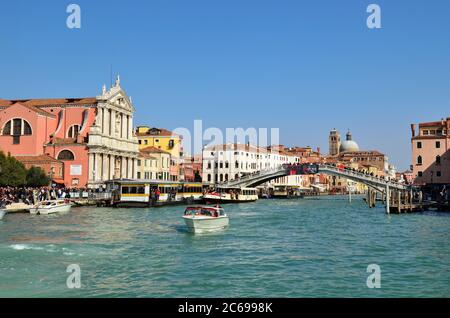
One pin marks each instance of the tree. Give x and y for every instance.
(36, 177)
(12, 172)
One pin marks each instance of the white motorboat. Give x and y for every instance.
(18, 207)
(201, 219)
(2, 213)
(52, 206)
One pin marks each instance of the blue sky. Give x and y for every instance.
(303, 66)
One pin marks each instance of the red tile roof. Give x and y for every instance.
(49, 101)
(161, 132)
(36, 159)
(152, 149)
(35, 109)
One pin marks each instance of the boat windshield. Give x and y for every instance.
(204, 211)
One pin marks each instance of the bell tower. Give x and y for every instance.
(334, 142)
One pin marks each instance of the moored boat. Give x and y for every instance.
(201, 219)
(18, 208)
(128, 193)
(52, 206)
(230, 195)
(287, 192)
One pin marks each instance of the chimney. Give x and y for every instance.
(413, 130)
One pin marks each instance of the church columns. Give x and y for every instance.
(98, 167)
(113, 123)
(130, 127)
(106, 121)
(135, 168)
(112, 160)
(123, 169)
(99, 118)
(130, 169)
(105, 165)
(124, 126)
(91, 167)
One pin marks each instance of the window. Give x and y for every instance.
(419, 160)
(26, 128)
(438, 174)
(66, 155)
(17, 127)
(138, 175)
(73, 131)
(438, 144)
(420, 174)
(438, 160)
(419, 145)
(7, 128)
(171, 143)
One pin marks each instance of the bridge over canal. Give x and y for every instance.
(395, 195)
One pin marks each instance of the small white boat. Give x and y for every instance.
(18, 207)
(201, 219)
(52, 206)
(2, 213)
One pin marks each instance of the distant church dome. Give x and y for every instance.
(348, 145)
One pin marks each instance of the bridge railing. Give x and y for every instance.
(364, 176)
(260, 173)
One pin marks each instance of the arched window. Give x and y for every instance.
(26, 128)
(419, 160)
(66, 155)
(7, 129)
(209, 178)
(73, 131)
(438, 160)
(17, 127)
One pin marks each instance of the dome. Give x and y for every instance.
(349, 145)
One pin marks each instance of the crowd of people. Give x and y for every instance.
(31, 196)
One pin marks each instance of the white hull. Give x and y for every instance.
(18, 208)
(200, 224)
(2, 214)
(44, 210)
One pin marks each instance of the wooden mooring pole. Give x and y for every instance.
(388, 199)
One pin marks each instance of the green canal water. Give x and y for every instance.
(315, 247)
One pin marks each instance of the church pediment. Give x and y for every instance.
(116, 96)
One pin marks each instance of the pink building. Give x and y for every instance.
(430, 151)
(91, 137)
